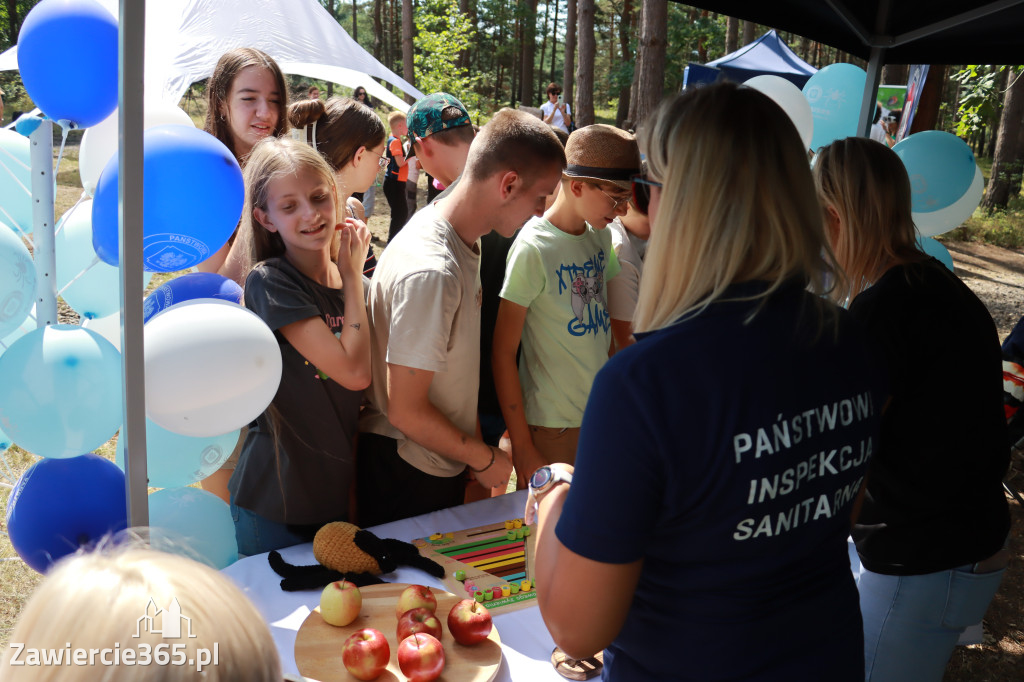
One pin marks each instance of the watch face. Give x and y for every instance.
(541, 477)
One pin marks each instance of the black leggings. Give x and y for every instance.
(399, 204)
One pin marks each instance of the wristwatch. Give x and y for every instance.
(542, 481)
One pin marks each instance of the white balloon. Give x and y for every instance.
(792, 101)
(938, 222)
(99, 142)
(108, 327)
(211, 367)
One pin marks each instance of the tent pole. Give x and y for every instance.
(43, 253)
(131, 49)
(867, 104)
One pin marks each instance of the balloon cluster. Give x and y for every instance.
(211, 365)
(946, 182)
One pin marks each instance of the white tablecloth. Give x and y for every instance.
(525, 642)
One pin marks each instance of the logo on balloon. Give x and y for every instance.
(813, 93)
(170, 252)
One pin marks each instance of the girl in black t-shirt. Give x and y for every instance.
(297, 463)
(931, 532)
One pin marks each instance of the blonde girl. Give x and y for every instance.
(687, 507)
(932, 529)
(297, 463)
(105, 604)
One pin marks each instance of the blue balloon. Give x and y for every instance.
(61, 392)
(941, 168)
(834, 94)
(935, 249)
(96, 292)
(194, 523)
(67, 54)
(28, 325)
(182, 167)
(5, 442)
(188, 287)
(173, 460)
(15, 182)
(17, 282)
(59, 505)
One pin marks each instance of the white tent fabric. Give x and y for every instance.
(185, 38)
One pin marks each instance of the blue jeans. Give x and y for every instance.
(256, 535)
(912, 623)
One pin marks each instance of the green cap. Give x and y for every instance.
(424, 117)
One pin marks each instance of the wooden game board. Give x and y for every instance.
(489, 558)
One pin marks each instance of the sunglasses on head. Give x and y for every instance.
(642, 192)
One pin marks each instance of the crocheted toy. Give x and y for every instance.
(346, 552)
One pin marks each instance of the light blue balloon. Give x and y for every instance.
(61, 391)
(834, 94)
(5, 442)
(935, 249)
(24, 328)
(182, 166)
(193, 523)
(97, 292)
(67, 55)
(941, 168)
(15, 182)
(173, 460)
(17, 281)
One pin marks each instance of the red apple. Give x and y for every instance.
(415, 596)
(416, 620)
(340, 603)
(366, 653)
(469, 621)
(421, 657)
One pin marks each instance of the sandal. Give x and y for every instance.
(577, 669)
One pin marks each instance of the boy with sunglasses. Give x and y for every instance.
(554, 301)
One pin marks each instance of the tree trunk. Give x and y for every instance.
(355, 27)
(569, 69)
(554, 41)
(543, 50)
(583, 112)
(994, 124)
(1006, 163)
(927, 115)
(13, 21)
(702, 43)
(732, 34)
(625, 30)
(464, 54)
(895, 74)
(378, 29)
(805, 46)
(749, 32)
(408, 72)
(529, 52)
(649, 84)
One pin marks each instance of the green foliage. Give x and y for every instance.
(684, 38)
(442, 33)
(980, 98)
(1004, 227)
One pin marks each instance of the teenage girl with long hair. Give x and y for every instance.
(297, 464)
(932, 529)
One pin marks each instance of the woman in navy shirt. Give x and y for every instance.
(703, 533)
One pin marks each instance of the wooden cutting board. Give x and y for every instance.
(318, 644)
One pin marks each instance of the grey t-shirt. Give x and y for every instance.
(425, 313)
(306, 478)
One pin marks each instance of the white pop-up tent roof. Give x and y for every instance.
(185, 38)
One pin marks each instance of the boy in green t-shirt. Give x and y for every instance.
(554, 301)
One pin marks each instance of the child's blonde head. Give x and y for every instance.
(270, 159)
(101, 600)
(737, 202)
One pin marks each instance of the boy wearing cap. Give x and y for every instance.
(554, 301)
(441, 133)
(419, 432)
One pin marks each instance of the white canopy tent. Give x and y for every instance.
(185, 38)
